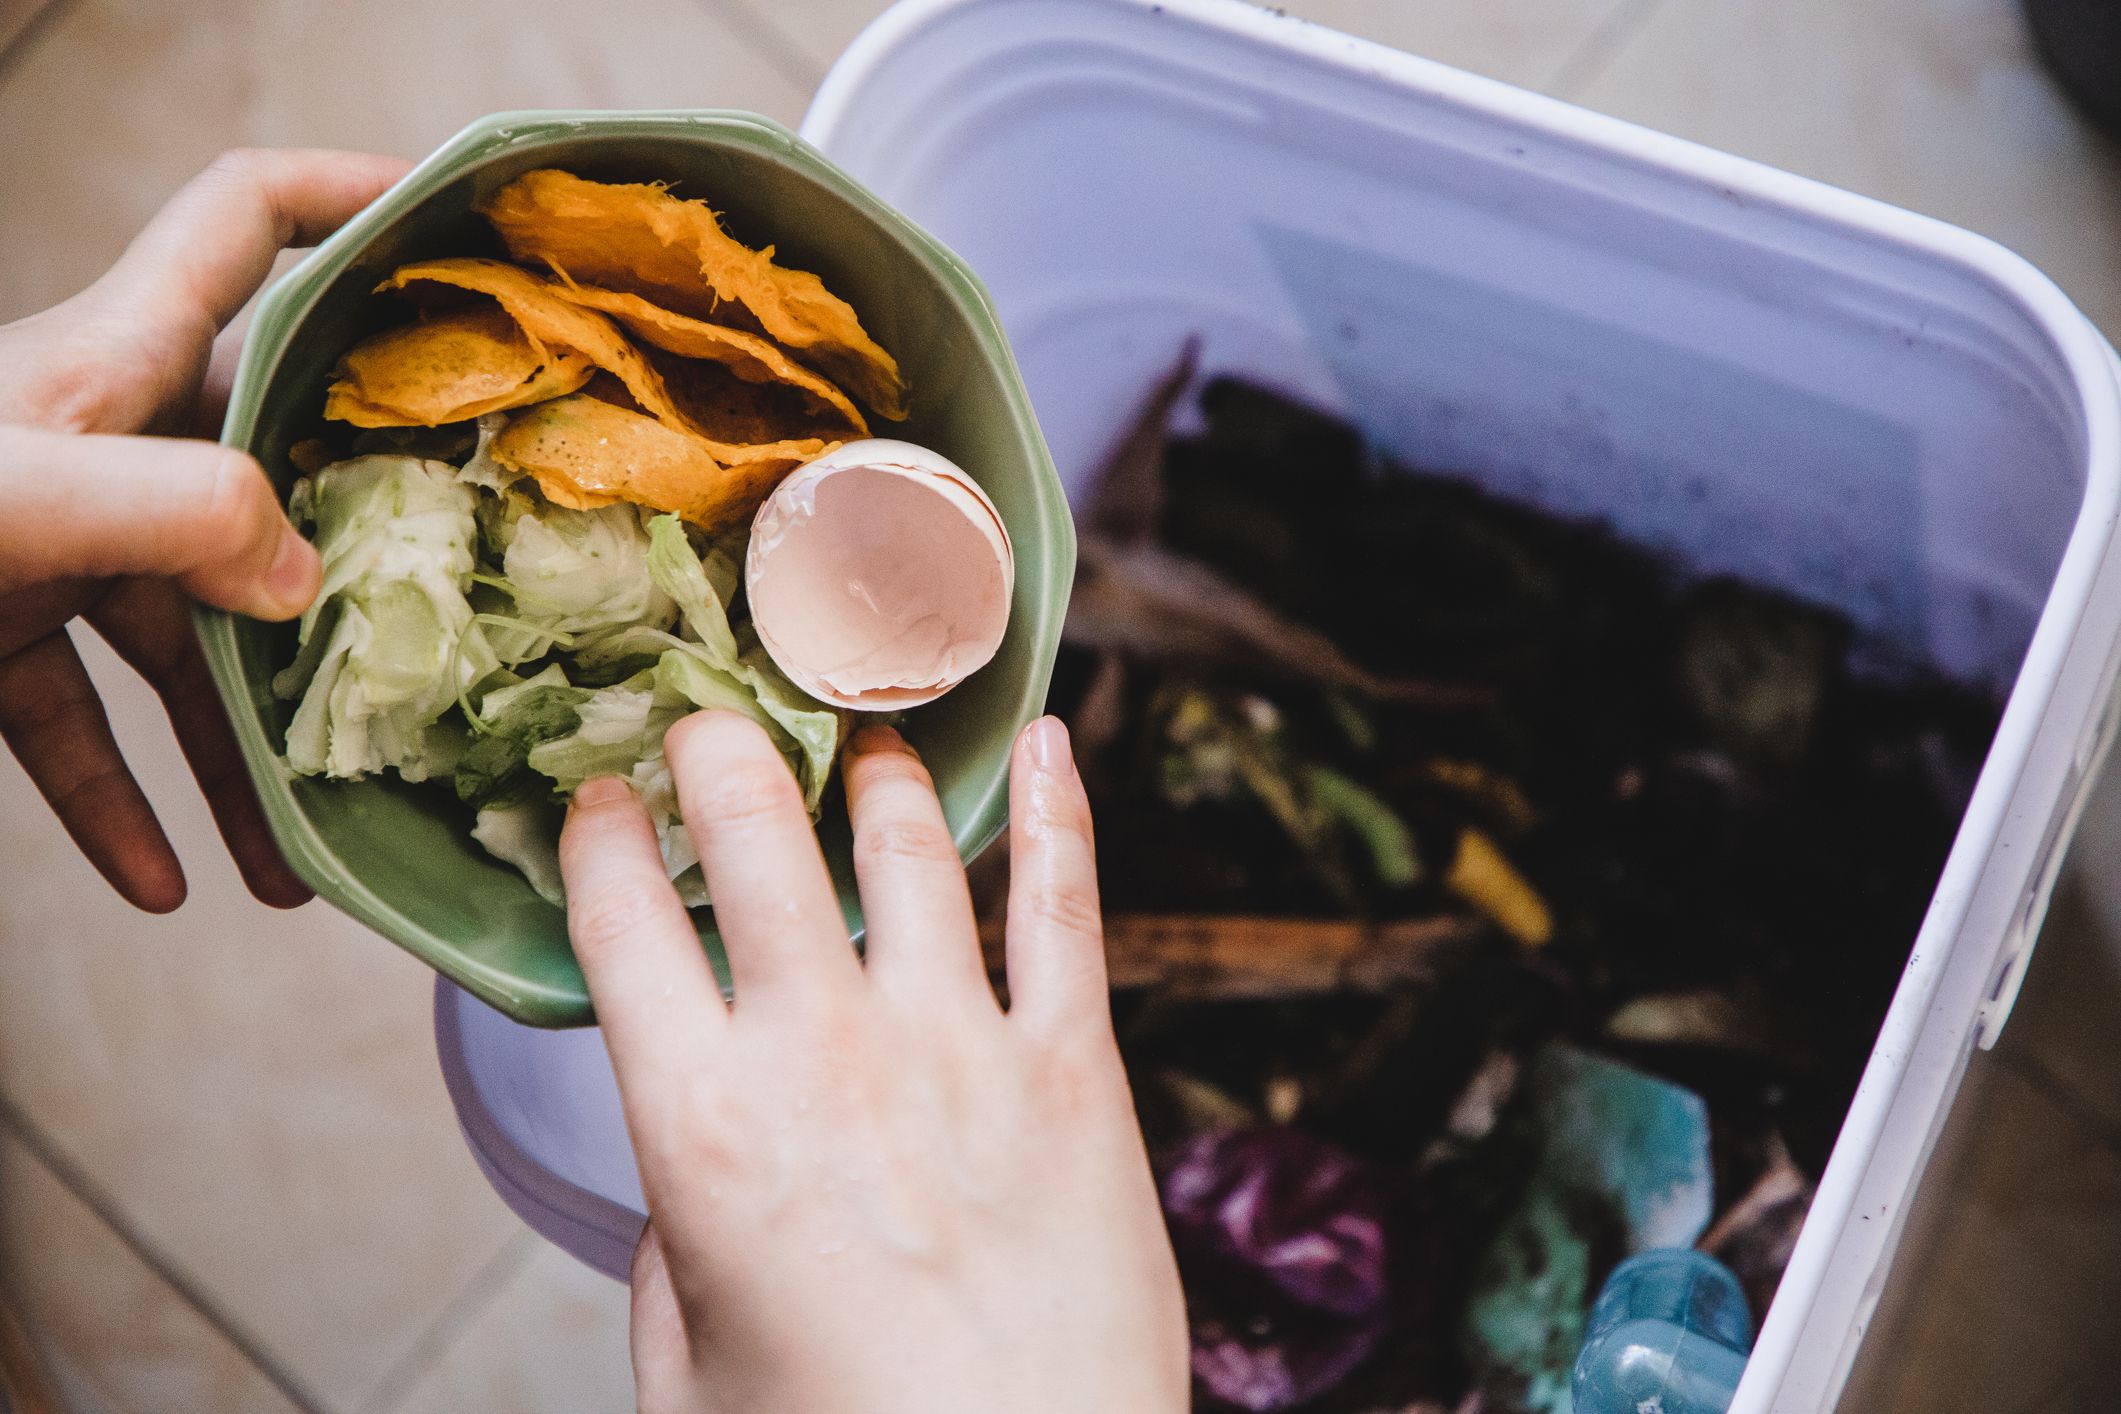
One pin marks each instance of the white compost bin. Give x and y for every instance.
(1760, 375)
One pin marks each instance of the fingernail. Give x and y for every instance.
(601, 790)
(1048, 741)
(295, 575)
(876, 737)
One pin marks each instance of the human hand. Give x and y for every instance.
(113, 527)
(870, 1191)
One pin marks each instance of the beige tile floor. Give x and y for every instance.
(229, 1179)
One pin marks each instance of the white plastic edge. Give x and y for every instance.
(595, 1230)
(2091, 370)
(2091, 764)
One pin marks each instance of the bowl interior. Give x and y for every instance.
(400, 856)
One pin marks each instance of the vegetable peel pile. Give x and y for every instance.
(639, 238)
(534, 509)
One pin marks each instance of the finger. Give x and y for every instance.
(656, 997)
(54, 723)
(147, 622)
(126, 354)
(211, 406)
(27, 615)
(207, 250)
(662, 1353)
(1056, 947)
(201, 514)
(922, 938)
(780, 923)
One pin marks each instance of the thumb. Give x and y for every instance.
(92, 507)
(662, 1354)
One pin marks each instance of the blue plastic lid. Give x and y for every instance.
(1669, 1335)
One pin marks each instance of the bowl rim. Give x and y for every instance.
(289, 301)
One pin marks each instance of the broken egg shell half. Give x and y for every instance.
(879, 576)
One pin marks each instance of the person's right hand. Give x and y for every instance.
(870, 1190)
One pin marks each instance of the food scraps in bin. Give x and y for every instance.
(1622, 1166)
(1701, 845)
(1283, 1238)
(1757, 1233)
(535, 549)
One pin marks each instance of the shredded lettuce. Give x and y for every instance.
(495, 769)
(806, 730)
(389, 642)
(619, 732)
(471, 630)
(579, 573)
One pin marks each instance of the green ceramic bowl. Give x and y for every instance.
(400, 857)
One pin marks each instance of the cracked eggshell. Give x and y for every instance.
(879, 576)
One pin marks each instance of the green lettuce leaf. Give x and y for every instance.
(573, 577)
(390, 641)
(495, 769)
(620, 733)
(806, 730)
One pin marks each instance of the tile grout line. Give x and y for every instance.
(786, 57)
(91, 1195)
(442, 1333)
(33, 29)
(1599, 48)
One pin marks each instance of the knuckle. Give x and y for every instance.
(893, 770)
(228, 487)
(98, 781)
(37, 722)
(234, 167)
(711, 1130)
(1058, 908)
(738, 794)
(1067, 815)
(603, 913)
(895, 841)
(697, 1133)
(176, 669)
(77, 364)
(747, 795)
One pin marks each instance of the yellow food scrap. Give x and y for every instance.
(551, 322)
(448, 368)
(586, 453)
(638, 238)
(737, 422)
(727, 409)
(1482, 877)
(1490, 789)
(753, 359)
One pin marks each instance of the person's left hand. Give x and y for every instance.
(101, 523)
